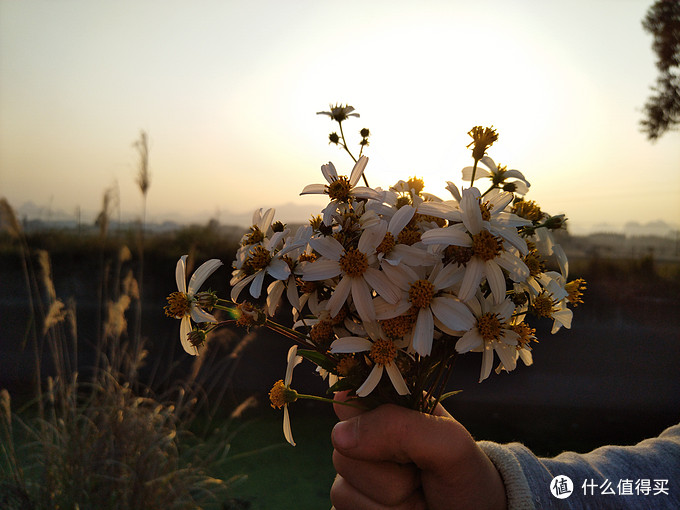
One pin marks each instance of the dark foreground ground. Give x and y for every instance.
(612, 378)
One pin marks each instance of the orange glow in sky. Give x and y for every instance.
(228, 91)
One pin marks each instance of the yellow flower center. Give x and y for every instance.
(259, 258)
(525, 332)
(543, 305)
(416, 185)
(490, 326)
(461, 255)
(179, 305)
(353, 262)
(386, 244)
(346, 365)
(486, 246)
(321, 332)
(534, 263)
(482, 139)
(428, 218)
(527, 209)
(399, 326)
(575, 290)
(421, 293)
(254, 236)
(485, 208)
(402, 201)
(383, 351)
(307, 257)
(408, 236)
(339, 189)
(306, 287)
(281, 395)
(245, 314)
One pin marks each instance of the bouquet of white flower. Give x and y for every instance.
(394, 282)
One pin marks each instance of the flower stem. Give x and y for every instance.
(474, 171)
(330, 401)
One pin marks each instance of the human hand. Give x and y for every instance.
(396, 458)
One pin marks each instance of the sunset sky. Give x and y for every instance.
(228, 91)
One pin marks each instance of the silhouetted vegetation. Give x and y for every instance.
(662, 110)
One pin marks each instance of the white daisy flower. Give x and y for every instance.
(282, 394)
(491, 332)
(484, 229)
(428, 297)
(499, 176)
(184, 305)
(358, 277)
(382, 351)
(258, 261)
(341, 189)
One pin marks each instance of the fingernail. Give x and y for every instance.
(344, 434)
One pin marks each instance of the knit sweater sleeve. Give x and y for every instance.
(625, 477)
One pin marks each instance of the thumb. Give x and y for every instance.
(396, 434)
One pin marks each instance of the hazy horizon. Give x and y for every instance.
(228, 91)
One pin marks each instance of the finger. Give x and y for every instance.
(387, 483)
(396, 434)
(345, 497)
(344, 412)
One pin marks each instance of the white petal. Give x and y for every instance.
(340, 294)
(361, 295)
(256, 286)
(480, 172)
(453, 313)
(410, 255)
(274, 293)
(496, 280)
(401, 219)
(470, 340)
(440, 210)
(507, 355)
(562, 260)
(515, 266)
(448, 276)
(397, 379)
(287, 431)
(423, 332)
(472, 278)
(385, 310)
(446, 236)
(181, 274)
(200, 315)
(329, 172)
(184, 330)
(371, 238)
(236, 289)
(313, 189)
(402, 276)
(382, 285)
(292, 360)
(472, 214)
(292, 295)
(327, 246)
(201, 274)
(487, 361)
(500, 202)
(351, 344)
(367, 193)
(279, 269)
(358, 170)
(371, 381)
(320, 269)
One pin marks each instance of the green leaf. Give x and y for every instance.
(318, 359)
(449, 394)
